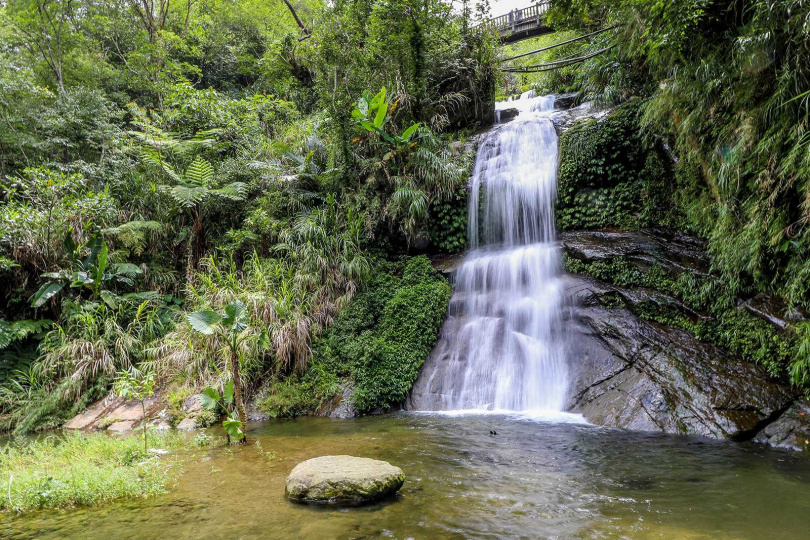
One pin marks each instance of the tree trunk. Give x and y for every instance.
(237, 395)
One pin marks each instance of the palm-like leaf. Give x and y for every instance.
(188, 196)
(152, 157)
(234, 191)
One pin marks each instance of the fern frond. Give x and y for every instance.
(188, 197)
(134, 234)
(200, 172)
(235, 191)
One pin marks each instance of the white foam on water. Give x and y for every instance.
(554, 417)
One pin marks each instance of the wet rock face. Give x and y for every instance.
(636, 374)
(633, 373)
(506, 115)
(346, 480)
(677, 253)
(791, 430)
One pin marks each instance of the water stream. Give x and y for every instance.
(505, 350)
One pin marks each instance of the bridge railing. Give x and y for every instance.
(519, 19)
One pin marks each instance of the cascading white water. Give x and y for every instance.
(506, 353)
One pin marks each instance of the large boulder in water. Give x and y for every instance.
(343, 480)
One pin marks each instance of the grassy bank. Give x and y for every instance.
(78, 469)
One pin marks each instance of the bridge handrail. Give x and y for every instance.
(504, 22)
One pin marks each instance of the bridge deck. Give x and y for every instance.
(521, 24)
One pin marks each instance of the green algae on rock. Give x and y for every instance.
(343, 480)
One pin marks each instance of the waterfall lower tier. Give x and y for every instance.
(501, 348)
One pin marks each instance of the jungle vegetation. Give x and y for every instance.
(195, 190)
(712, 129)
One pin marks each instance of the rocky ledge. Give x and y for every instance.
(634, 373)
(346, 480)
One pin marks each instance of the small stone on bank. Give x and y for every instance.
(343, 480)
(188, 424)
(120, 427)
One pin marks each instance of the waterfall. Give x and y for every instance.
(502, 347)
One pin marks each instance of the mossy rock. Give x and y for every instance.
(344, 480)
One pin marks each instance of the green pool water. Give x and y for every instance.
(531, 480)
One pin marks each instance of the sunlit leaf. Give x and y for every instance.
(204, 321)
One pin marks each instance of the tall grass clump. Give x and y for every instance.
(78, 469)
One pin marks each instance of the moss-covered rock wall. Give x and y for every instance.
(612, 176)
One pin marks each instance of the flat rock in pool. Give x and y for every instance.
(343, 480)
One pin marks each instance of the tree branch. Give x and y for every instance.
(297, 19)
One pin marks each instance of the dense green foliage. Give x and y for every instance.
(723, 86)
(610, 176)
(162, 158)
(81, 470)
(377, 344)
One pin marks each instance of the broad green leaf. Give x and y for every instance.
(110, 298)
(227, 392)
(410, 131)
(45, 293)
(361, 109)
(387, 137)
(233, 312)
(233, 428)
(209, 399)
(80, 278)
(378, 99)
(382, 110)
(204, 321)
(94, 245)
(70, 245)
(101, 263)
(145, 295)
(371, 128)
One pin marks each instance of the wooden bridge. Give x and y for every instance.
(521, 24)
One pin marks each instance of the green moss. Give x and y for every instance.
(611, 177)
(721, 323)
(376, 345)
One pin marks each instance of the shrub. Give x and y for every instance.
(379, 343)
